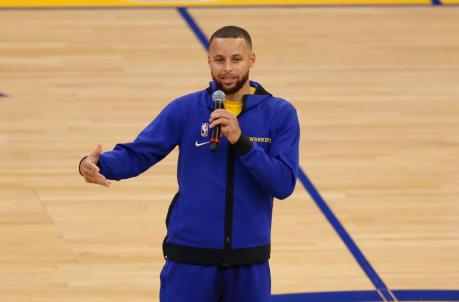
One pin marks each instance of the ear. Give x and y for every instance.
(253, 58)
(208, 60)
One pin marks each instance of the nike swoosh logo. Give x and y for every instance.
(200, 144)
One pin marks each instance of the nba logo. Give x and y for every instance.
(204, 129)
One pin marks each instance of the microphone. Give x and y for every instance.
(218, 97)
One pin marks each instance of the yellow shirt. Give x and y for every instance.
(236, 107)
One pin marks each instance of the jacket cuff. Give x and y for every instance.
(243, 145)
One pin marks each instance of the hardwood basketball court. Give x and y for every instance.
(376, 89)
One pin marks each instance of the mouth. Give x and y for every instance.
(228, 80)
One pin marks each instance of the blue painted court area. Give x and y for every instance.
(369, 296)
(381, 292)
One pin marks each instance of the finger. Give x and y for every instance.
(94, 156)
(98, 179)
(105, 183)
(218, 114)
(89, 166)
(91, 173)
(221, 121)
(94, 167)
(226, 130)
(91, 178)
(99, 149)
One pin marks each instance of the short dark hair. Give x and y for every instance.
(232, 31)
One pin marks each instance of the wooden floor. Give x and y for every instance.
(377, 91)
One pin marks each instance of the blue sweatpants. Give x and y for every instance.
(195, 283)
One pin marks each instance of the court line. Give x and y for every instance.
(194, 27)
(379, 284)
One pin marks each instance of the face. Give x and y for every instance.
(230, 60)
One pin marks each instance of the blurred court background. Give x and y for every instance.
(374, 217)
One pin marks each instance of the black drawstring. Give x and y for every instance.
(223, 284)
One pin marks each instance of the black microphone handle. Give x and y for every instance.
(215, 139)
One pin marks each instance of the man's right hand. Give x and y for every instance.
(90, 171)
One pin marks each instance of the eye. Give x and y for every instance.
(237, 59)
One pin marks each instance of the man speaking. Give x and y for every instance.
(219, 223)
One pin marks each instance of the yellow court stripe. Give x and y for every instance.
(450, 1)
(173, 3)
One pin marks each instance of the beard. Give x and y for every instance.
(232, 90)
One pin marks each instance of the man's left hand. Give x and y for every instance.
(228, 122)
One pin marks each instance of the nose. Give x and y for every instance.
(228, 67)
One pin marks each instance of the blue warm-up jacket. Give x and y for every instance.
(222, 212)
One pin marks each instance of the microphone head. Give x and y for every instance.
(218, 96)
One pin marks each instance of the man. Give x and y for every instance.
(219, 223)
